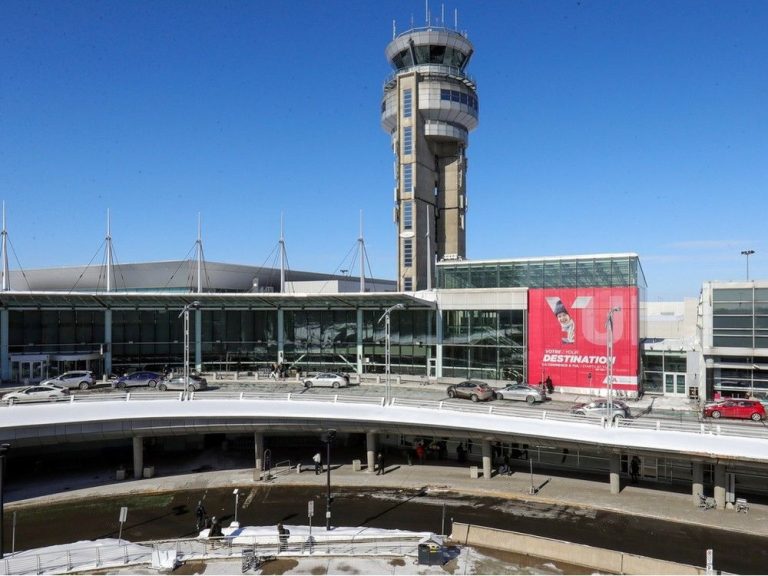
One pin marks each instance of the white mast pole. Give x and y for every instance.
(362, 255)
(4, 248)
(282, 256)
(199, 253)
(109, 252)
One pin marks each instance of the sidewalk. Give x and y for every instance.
(634, 500)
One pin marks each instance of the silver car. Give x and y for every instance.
(194, 383)
(522, 392)
(38, 393)
(599, 409)
(82, 379)
(327, 379)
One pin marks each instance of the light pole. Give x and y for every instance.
(330, 436)
(747, 253)
(185, 312)
(609, 355)
(236, 492)
(3, 450)
(387, 358)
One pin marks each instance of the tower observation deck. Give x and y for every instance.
(429, 106)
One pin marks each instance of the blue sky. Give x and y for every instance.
(605, 127)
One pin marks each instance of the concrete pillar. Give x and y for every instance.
(615, 473)
(138, 456)
(698, 482)
(487, 460)
(370, 451)
(5, 355)
(258, 451)
(439, 344)
(720, 486)
(107, 350)
(359, 337)
(199, 340)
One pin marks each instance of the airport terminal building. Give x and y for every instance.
(581, 321)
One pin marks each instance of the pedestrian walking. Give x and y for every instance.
(634, 469)
(318, 460)
(200, 515)
(421, 453)
(380, 462)
(215, 531)
(282, 535)
(461, 453)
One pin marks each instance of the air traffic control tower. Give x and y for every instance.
(429, 106)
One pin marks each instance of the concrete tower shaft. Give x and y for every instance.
(430, 104)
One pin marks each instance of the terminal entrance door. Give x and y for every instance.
(29, 370)
(674, 384)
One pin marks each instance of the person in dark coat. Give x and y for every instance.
(634, 469)
(380, 463)
(200, 515)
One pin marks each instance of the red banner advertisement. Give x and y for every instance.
(568, 337)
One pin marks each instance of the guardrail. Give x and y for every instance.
(750, 430)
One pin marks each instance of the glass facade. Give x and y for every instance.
(407, 252)
(408, 140)
(407, 103)
(411, 339)
(407, 178)
(484, 344)
(55, 331)
(740, 317)
(408, 215)
(740, 322)
(609, 271)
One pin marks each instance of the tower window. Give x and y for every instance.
(407, 178)
(408, 140)
(407, 103)
(407, 284)
(407, 252)
(407, 215)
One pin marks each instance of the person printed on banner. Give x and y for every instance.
(567, 324)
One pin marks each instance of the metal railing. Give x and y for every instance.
(85, 558)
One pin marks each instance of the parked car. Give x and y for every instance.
(735, 408)
(137, 379)
(327, 379)
(522, 392)
(82, 379)
(599, 408)
(38, 393)
(475, 390)
(179, 383)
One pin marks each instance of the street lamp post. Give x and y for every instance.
(387, 358)
(3, 450)
(185, 313)
(330, 436)
(609, 355)
(236, 492)
(747, 253)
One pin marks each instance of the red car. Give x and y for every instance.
(735, 408)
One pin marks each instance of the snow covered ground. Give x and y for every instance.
(343, 550)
